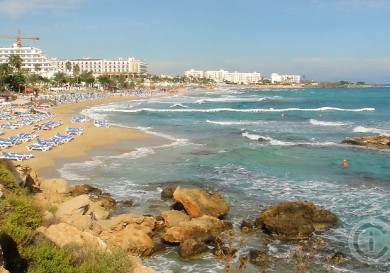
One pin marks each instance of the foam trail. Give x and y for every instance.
(276, 142)
(326, 123)
(361, 129)
(272, 110)
(179, 105)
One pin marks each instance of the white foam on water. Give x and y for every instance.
(361, 129)
(178, 105)
(239, 122)
(276, 142)
(214, 110)
(327, 123)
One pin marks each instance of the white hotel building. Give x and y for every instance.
(222, 76)
(290, 79)
(33, 59)
(102, 66)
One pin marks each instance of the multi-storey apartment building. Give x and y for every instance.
(290, 79)
(233, 77)
(33, 59)
(194, 73)
(102, 66)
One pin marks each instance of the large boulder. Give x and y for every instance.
(294, 220)
(201, 229)
(74, 212)
(198, 202)
(377, 142)
(117, 223)
(64, 234)
(84, 189)
(55, 190)
(173, 218)
(130, 239)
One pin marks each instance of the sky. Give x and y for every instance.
(322, 40)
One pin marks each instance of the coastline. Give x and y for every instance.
(78, 148)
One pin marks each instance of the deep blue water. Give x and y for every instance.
(215, 145)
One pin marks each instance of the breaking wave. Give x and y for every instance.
(327, 123)
(361, 129)
(260, 110)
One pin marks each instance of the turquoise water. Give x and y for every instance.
(215, 145)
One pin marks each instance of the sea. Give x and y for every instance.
(259, 147)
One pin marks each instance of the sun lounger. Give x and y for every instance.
(36, 146)
(99, 123)
(66, 138)
(18, 157)
(74, 131)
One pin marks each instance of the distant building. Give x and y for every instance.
(290, 79)
(102, 66)
(243, 78)
(33, 59)
(194, 73)
(233, 77)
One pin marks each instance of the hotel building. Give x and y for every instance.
(290, 79)
(222, 76)
(194, 73)
(102, 66)
(33, 59)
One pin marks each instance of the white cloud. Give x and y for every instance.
(16, 8)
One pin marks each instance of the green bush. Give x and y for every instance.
(6, 176)
(20, 217)
(45, 258)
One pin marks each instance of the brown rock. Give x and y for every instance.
(191, 249)
(294, 220)
(258, 257)
(246, 226)
(377, 142)
(105, 200)
(167, 193)
(55, 190)
(198, 202)
(145, 223)
(70, 210)
(130, 239)
(173, 217)
(64, 234)
(85, 189)
(200, 229)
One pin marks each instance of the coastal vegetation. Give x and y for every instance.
(24, 251)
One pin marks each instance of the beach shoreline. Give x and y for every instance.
(94, 141)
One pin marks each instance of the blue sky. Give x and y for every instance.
(329, 40)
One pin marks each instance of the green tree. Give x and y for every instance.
(104, 80)
(60, 78)
(87, 77)
(15, 62)
(76, 72)
(68, 66)
(37, 67)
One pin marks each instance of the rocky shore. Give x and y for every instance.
(376, 142)
(85, 216)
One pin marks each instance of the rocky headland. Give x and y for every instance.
(85, 216)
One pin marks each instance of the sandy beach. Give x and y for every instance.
(119, 140)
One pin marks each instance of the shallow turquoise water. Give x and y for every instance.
(215, 145)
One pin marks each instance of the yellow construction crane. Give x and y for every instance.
(19, 38)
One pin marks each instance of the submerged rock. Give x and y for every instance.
(258, 257)
(191, 249)
(294, 220)
(198, 202)
(377, 142)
